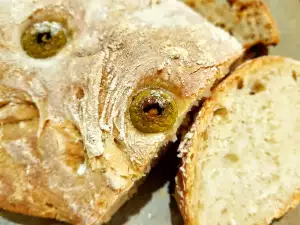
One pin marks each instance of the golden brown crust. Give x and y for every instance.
(189, 146)
(81, 157)
(250, 21)
(19, 191)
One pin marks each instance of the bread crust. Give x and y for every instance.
(75, 155)
(233, 17)
(188, 148)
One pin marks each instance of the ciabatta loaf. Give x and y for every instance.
(241, 157)
(90, 91)
(250, 21)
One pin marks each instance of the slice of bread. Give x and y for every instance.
(80, 128)
(250, 21)
(241, 157)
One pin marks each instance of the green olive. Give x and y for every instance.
(44, 39)
(153, 111)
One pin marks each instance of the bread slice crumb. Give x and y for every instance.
(241, 163)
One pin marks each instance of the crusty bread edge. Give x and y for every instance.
(274, 37)
(186, 174)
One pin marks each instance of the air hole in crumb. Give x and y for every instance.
(240, 84)
(79, 93)
(232, 157)
(224, 211)
(221, 112)
(205, 136)
(294, 75)
(257, 87)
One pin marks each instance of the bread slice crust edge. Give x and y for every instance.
(189, 146)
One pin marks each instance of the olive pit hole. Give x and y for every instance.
(43, 37)
(153, 109)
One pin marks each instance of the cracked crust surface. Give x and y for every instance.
(68, 148)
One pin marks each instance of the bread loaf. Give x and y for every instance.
(90, 91)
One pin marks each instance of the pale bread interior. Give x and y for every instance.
(247, 167)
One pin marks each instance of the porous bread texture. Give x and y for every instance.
(250, 21)
(241, 157)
